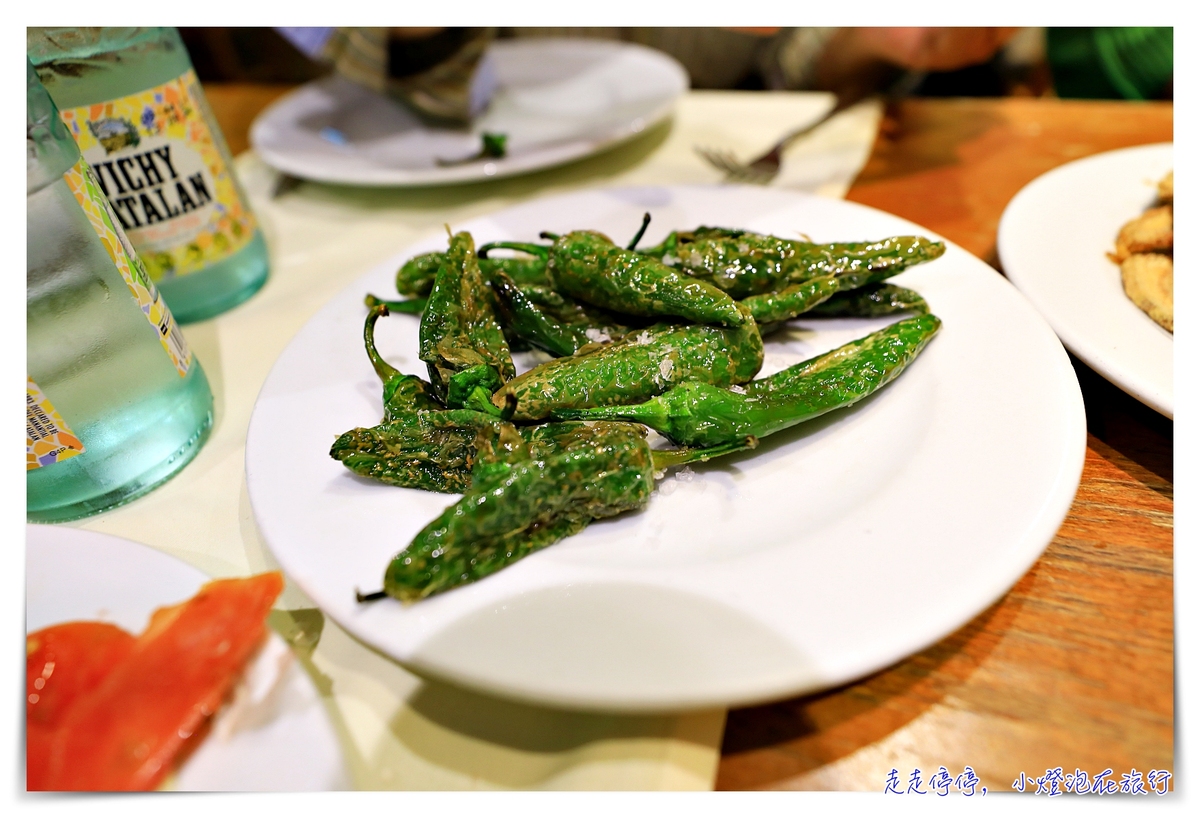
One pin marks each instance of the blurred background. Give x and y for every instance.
(1085, 63)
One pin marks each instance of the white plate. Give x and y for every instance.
(1052, 243)
(290, 745)
(835, 549)
(557, 100)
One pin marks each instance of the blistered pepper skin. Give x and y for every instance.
(871, 301)
(699, 414)
(429, 450)
(641, 364)
(525, 507)
(416, 276)
(574, 473)
(586, 265)
(747, 264)
(459, 331)
(527, 321)
(791, 301)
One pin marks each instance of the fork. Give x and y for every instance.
(766, 167)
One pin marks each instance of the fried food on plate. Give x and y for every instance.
(1151, 232)
(1166, 188)
(1149, 282)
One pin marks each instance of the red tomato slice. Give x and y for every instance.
(63, 662)
(125, 734)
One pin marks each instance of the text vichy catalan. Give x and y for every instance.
(144, 188)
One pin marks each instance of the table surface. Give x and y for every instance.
(1074, 667)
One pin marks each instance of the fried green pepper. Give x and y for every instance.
(520, 506)
(746, 264)
(523, 318)
(870, 302)
(415, 277)
(430, 450)
(401, 393)
(698, 414)
(588, 266)
(791, 301)
(460, 339)
(641, 364)
(600, 324)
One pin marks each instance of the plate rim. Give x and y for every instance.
(1087, 349)
(560, 153)
(1036, 538)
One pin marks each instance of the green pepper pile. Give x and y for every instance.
(668, 337)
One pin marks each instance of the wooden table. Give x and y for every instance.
(1074, 666)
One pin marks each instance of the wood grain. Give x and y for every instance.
(1074, 667)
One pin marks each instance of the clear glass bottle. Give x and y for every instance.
(116, 403)
(132, 102)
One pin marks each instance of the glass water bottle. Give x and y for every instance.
(131, 100)
(115, 403)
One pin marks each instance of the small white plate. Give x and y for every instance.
(557, 100)
(290, 745)
(1052, 242)
(834, 549)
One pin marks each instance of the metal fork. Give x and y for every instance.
(766, 167)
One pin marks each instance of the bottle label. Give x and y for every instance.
(160, 165)
(48, 439)
(102, 217)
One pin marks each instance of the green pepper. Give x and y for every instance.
(639, 365)
(460, 339)
(746, 264)
(588, 266)
(522, 317)
(791, 301)
(699, 414)
(415, 277)
(598, 323)
(516, 507)
(871, 301)
(430, 450)
(401, 393)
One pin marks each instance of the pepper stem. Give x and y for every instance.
(641, 232)
(383, 369)
(410, 306)
(666, 458)
(666, 248)
(525, 247)
(371, 597)
(548, 235)
(510, 407)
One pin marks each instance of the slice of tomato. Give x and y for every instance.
(63, 662)
(125, 734)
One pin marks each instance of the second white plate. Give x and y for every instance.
(557, 100)
(288, 746)
(1052, 242)
(833, 550)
